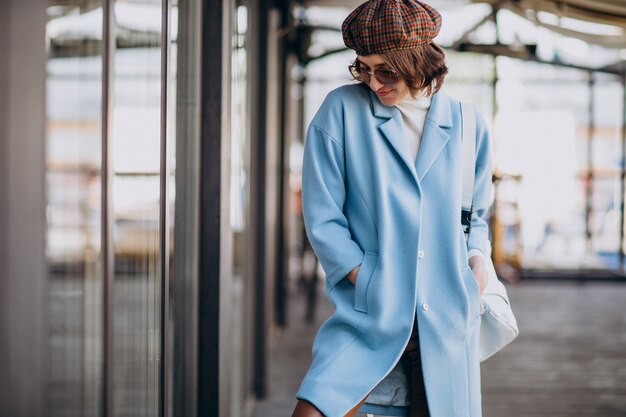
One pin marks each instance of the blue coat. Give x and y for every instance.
(365, 202)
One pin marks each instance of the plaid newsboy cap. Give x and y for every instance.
(381, 26)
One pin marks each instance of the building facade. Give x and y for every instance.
(141, 242)
(149, 182)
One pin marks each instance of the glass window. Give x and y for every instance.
(239, 207)
(75, 117)
(135, 152)
(73, 182)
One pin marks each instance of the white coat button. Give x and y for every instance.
(420, 254)
(425, 306)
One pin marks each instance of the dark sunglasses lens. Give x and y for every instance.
(386, 76)
(359, 74)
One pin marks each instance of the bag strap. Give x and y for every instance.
(468, 138)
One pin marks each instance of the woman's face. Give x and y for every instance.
(388, 94)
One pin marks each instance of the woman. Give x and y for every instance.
(381, 196)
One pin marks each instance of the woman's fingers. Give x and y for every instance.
(306, 409)
(352, 274)
(477, 263)
(482, 277)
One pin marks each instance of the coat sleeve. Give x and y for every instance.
(323, 198)
(482, 188)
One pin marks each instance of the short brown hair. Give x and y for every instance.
(422, 68)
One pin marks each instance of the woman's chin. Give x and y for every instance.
(390, 100)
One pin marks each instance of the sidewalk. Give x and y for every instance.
(570, 359)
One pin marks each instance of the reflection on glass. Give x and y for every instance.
(73, 181)
(135, 153)
(239, 204)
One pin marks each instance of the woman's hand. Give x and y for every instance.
(477, 263)
(352, 274)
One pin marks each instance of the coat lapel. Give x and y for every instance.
(393, 130)
(434, 137)
(435, 134)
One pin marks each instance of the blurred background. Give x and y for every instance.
(155, 261)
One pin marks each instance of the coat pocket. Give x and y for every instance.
(363, 277)
(473, 292)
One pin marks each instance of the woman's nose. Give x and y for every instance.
(374, 83)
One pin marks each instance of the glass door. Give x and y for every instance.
(110, 131)
(74, 216)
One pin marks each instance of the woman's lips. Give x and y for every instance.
(383, 93)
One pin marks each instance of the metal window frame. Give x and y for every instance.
(23, 284)
(215, 245)
(108, 266)
(185, 282)
(165, 363)
(622, 244)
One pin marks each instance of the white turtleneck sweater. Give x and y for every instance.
(414, 111)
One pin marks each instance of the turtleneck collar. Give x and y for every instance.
(409, 103)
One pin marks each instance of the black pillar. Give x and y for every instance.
(259, 24)
(214, 69)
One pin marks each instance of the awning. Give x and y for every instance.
(608, 16)
(611, 13)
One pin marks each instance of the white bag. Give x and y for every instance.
(498, 326)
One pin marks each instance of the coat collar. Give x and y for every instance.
(434, 136)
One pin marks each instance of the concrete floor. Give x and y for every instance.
(570, 358)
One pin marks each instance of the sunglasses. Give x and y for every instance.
(383, 75)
